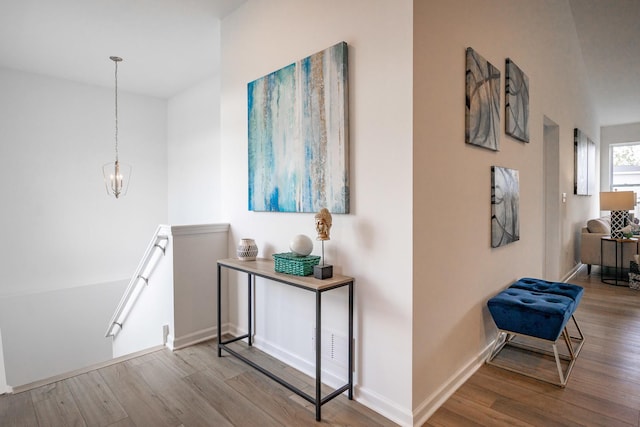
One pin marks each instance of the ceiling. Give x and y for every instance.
(167, 45)
(609, 34)
(170, 45)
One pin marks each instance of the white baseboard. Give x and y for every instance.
(572, 273)
(383, 406)
(428, 406)
(193, 338)
(84, 370)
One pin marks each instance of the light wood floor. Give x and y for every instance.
(189, 387)
(193, 387)
(604, 387)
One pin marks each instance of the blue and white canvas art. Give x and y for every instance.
(299, 136)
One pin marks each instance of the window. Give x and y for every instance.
(625, 169)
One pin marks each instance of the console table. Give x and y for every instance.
(264, 268)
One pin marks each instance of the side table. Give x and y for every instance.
(618, 268)
(265, 269)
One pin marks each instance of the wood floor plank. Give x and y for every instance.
(173, 369)
(487, 416)
(142, 405)
(59, 410)
(272, 399)
(446, 417)
(206, 354)
(274, 365)
(227, 401)
(560, 409)
(190, 407)
(124, 423)
(96, 402)
(53, 390)
(17, 410)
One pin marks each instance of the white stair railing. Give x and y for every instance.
(158, 245)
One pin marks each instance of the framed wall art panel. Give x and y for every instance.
(584, 182)
(505, 206)
(516, 102)
(298, 138)
(482, 112)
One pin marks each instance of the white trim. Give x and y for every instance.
(572, 273)
(185, 230)
(192, 338)
(428, 406)
(383, 406)
(84, 370)
(4, 387)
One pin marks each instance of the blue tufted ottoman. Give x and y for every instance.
(557, 288)
(539, 309)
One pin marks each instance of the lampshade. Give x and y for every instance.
(617, 200)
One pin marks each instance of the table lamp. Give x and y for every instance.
(619, 203)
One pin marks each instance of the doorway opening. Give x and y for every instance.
(552, 200)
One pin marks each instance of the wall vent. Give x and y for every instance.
(334, 346)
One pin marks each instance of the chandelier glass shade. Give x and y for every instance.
(117, 175)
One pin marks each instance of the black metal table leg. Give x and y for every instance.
(318, 355)
(350, 362)
(219, 311)
(250, 339)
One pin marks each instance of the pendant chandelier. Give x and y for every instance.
(116, 175)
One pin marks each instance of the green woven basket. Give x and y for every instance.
(291, 263)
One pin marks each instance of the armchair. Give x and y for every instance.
(590, 245)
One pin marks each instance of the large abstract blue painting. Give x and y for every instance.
(299, 136)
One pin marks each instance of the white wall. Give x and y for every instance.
(61, 228)
(609, 135)
(194, 154)
(373, 243)
(455, 270)
(195, 252)
(65, 241)
(46, 334)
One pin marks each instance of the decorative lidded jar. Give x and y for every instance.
(247, 250)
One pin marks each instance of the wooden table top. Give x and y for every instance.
(266, 268)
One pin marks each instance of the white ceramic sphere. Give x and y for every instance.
(301, 245)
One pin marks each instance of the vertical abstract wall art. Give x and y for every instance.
(516, 102)
(505, 206)
(584, 170)
(482, 117)
(299, 136)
